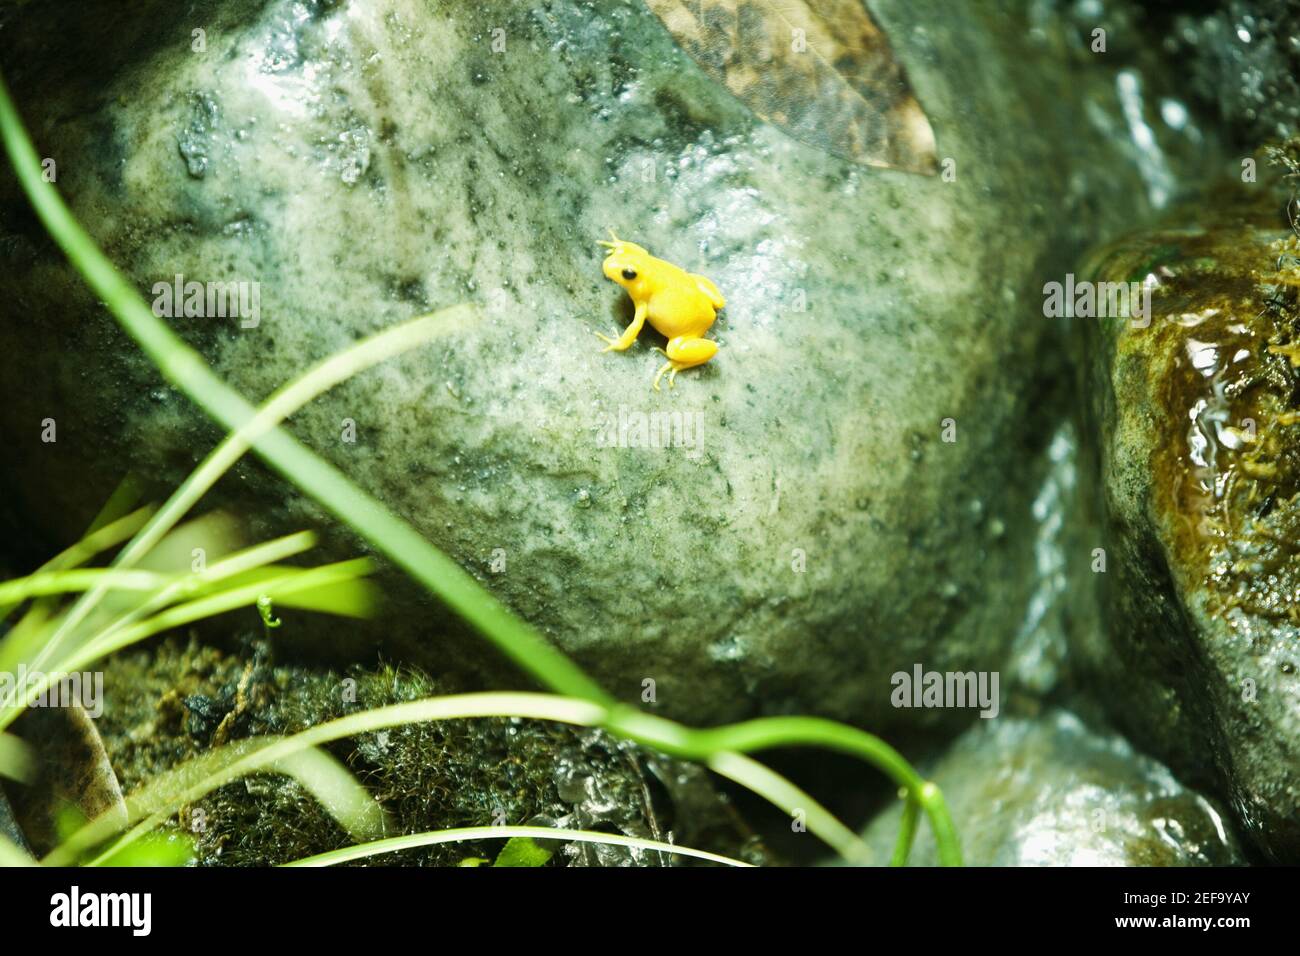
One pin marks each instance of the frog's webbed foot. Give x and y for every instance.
(611, 345)
(684, 352)
(672, 379)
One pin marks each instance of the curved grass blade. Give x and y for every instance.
(428, 565)
(17, 762)
(108, 536)
(46, 583)
(318, 772)
(287, 585)
(11, 855)
(435, 837)
(743, 770)
(283, 403)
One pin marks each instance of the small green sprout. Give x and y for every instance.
(265, 608)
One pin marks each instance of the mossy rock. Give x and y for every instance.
(1198, 462)
(181, 698)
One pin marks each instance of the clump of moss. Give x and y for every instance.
(1259, 569)
(1286, 156)
(1229, 306)
(180, 698)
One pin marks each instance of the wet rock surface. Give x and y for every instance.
(1199, 427)
(1241, 56)
(368, 162)
(1048, 791)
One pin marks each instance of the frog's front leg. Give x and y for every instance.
(685, 351)
(629, 335)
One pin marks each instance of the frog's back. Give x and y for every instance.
(679, 305)
(705, 285)
(681, 310)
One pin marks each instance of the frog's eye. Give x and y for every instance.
(629, 274)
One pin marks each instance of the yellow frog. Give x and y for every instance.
(679, 304)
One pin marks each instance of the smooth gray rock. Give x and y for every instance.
(368, 162)
(1048, 791)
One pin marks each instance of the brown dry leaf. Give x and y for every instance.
(820, 69)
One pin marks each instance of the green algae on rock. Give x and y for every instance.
(1049, 791)
(1198, 426)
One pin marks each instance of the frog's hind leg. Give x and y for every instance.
(685, 352)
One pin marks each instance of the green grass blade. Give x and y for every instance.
(794, 802)
(743, 770)
(769, 732)
(45, 583)
(125, 497)
(283, 403)
(906, 830)
(284, 586)
(321, 775)
(23, 643)
(434, 837)
(185, 368)
(292, 584)
(11, 855)
(218, 573)
(17, 761)
(109, 536)
(338, 791)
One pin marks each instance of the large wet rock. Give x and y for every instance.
(1048, 791)
(1199, 429)
(368, 162)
